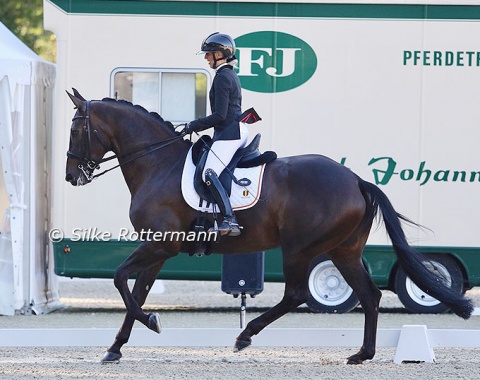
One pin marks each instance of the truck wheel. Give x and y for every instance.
(328, 291)
(415, 299)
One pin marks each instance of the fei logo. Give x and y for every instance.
(274, 61)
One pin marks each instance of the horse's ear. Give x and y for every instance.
(79, 101)
(77, 94)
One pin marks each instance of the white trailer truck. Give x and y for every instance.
(390, 90)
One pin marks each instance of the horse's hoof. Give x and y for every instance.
(241, 345)
(360, 357)
(353, 361)
(111, 358)
(154, 323)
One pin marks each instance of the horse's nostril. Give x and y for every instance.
(71, 179)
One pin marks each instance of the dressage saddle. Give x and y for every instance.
(246, 157)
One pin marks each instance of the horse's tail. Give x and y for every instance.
(409, 259)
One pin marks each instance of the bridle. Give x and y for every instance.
(88, 165)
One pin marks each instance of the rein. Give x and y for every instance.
(155, 146)
(92, 164)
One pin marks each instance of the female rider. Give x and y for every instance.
(229, 134)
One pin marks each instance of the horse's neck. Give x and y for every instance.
(133, 135)
(139, 165)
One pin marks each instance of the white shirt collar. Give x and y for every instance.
(223, 64)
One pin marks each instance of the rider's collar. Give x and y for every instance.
(221, 66)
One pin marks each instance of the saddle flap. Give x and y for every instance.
(199, 148)
(200, 186)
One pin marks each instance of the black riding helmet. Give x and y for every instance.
(218, 42)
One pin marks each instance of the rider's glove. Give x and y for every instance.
(192, 126)
(186, 130)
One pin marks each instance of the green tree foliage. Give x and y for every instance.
(25, 20)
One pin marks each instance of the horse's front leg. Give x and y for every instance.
(144, 257)
(143, 284)
(146, 261)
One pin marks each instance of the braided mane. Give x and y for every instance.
(154, 115)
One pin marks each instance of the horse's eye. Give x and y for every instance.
(74, 132)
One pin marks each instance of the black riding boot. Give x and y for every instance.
(229, 226)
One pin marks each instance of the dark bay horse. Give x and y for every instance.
(310, 206)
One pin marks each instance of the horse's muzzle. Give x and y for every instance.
(70, 178)
(76, 181)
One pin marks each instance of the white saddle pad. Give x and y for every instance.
(241, 198)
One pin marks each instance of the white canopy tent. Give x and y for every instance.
(27, 281)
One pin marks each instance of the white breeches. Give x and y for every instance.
(222, 151)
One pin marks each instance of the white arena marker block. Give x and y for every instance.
(413, 345)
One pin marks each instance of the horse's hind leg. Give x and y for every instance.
(295, 268)
(143, 284)
(354, 272)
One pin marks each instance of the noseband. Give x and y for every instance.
(88, 165)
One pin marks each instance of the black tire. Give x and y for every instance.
(328, 291)
(416, 300)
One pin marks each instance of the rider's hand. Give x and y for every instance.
(190, 128)
(186, 130)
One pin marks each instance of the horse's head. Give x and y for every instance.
(87, 147)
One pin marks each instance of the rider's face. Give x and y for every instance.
(211, 61)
